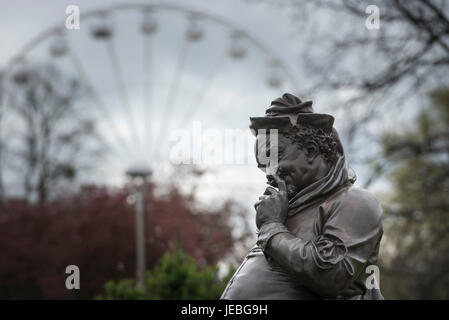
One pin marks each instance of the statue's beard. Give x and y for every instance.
(292, 190)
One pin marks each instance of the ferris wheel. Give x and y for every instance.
(150, 68)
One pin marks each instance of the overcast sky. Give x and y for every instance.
(236, 90)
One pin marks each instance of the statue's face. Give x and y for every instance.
(294, 166)
(297, 168)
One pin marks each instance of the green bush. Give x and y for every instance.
(176, 276)
(125, 289)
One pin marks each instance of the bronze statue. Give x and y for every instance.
(317, 233)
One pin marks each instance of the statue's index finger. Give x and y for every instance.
(281, 183)
(270, 191)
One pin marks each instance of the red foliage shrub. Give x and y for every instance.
(94, 229)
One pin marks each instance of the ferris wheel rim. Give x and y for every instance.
(31, 44)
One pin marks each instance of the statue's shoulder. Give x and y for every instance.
(361, 194)
(359, 203)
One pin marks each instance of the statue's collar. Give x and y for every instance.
(340, 174)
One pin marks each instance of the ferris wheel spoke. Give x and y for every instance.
(99, 102)
(111, 147)
(123, 95)
(205, 86)
(147, 129)
(172, 92)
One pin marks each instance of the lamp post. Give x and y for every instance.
(139, 176)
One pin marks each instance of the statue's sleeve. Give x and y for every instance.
(346, 234)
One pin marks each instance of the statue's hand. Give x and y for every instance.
(273, 205)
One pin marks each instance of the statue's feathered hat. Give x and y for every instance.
(287, 111)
